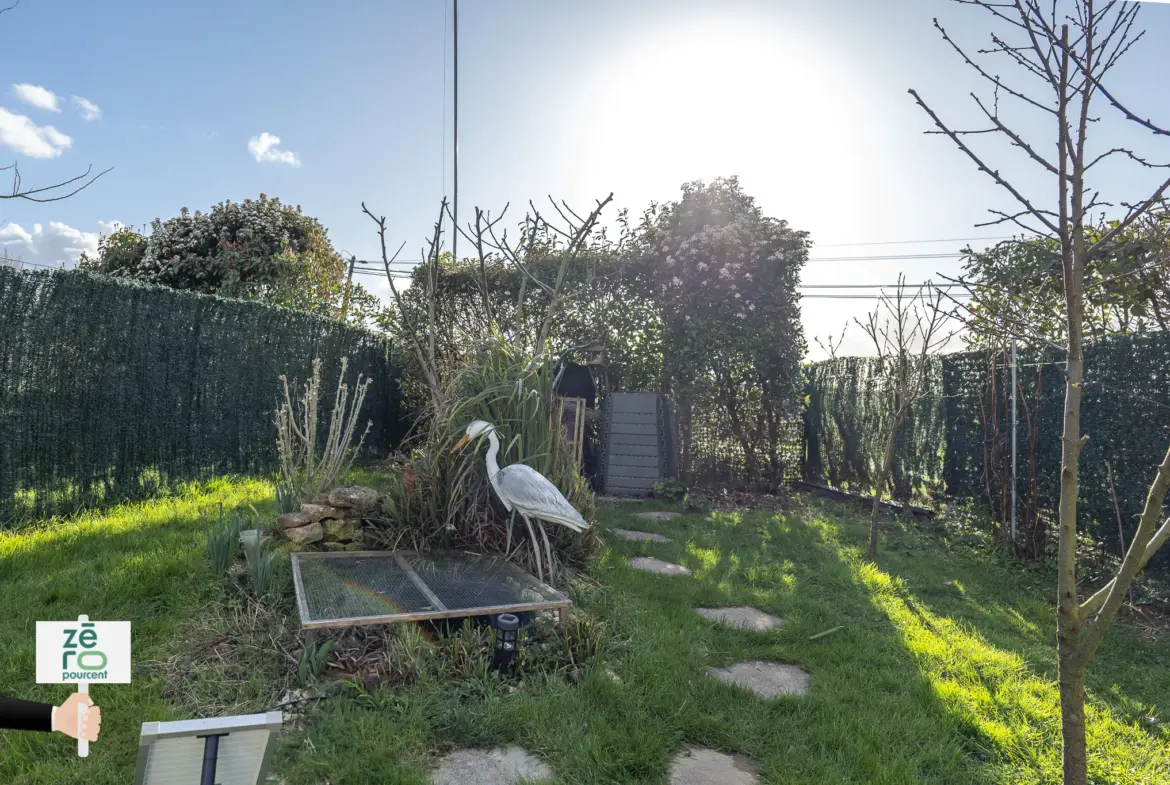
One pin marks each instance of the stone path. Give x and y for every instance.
(628, 534)
(708, 767)
(650, 564)
(766, 679)
(657, 516)
(742, 618)
(501, 766)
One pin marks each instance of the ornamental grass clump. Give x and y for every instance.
(448, 501)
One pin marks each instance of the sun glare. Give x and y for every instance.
(714, 96)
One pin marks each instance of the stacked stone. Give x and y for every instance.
(332, 521)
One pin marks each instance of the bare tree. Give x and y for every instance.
(906, 329)
(1068, 56)
(422, 340)
(830, 346)
(574, 231)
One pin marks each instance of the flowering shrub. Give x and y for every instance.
(257, 248)
(724, 277)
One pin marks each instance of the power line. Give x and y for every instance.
(853, 296)
(877, 286)
(897, 257)
(911, 242)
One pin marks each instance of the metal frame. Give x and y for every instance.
(560, 604)
(153, 731)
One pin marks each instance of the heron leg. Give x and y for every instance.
(535, 544)
(511, 520)
(547, 550)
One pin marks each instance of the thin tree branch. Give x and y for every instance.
(1038, 214)
(31, 194)
(993, 79)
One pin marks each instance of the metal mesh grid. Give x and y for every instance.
(377, 587)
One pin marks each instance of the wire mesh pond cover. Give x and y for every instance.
(382, 587)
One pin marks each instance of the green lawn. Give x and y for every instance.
(943, 673)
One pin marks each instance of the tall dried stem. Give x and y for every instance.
(302, 468)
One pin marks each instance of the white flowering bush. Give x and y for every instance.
(257, 248)
(725, 276)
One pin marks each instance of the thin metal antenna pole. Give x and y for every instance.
(1014, 422)
(455, 164)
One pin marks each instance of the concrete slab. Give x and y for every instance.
(628, 534)
(501, 766)
(766, 679)
(742, 618)
(657, 516)
(650, 564)
(708, 767)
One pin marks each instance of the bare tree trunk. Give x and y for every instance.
(1068, 611)
(1072, 718)
(882, 478)
(1073, 67)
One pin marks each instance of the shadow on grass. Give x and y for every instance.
(145, 563)
(871, 717)
(943, 672)
(980, 643)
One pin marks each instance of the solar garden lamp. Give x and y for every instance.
(507, 643)
(213, 751)
(250, 539)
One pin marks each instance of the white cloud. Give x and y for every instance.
(25, 136)
(35, 95)
(266, 147)
(89, 110)
(14, 234)
(51, 245)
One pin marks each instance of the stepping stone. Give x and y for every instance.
(627, 534)
(766, 679)
(708, 767)
(650, 564)
(742, 618)
(501, 766)
(657, 516)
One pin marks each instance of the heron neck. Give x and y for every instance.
(493, 466)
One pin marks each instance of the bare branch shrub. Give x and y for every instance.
(305, 467)
(906, 330)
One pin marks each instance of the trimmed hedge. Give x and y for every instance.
(112, 390)
(958, 442)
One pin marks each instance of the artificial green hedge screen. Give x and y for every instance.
(112, 390)
(957, 442)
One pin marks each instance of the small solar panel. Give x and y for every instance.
(173, 753)
(341, 589)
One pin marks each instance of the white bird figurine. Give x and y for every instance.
(527, 491)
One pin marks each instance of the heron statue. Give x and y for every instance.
(527, 491)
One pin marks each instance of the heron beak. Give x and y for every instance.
(459, 445)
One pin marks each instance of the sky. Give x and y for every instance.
(328, 105)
